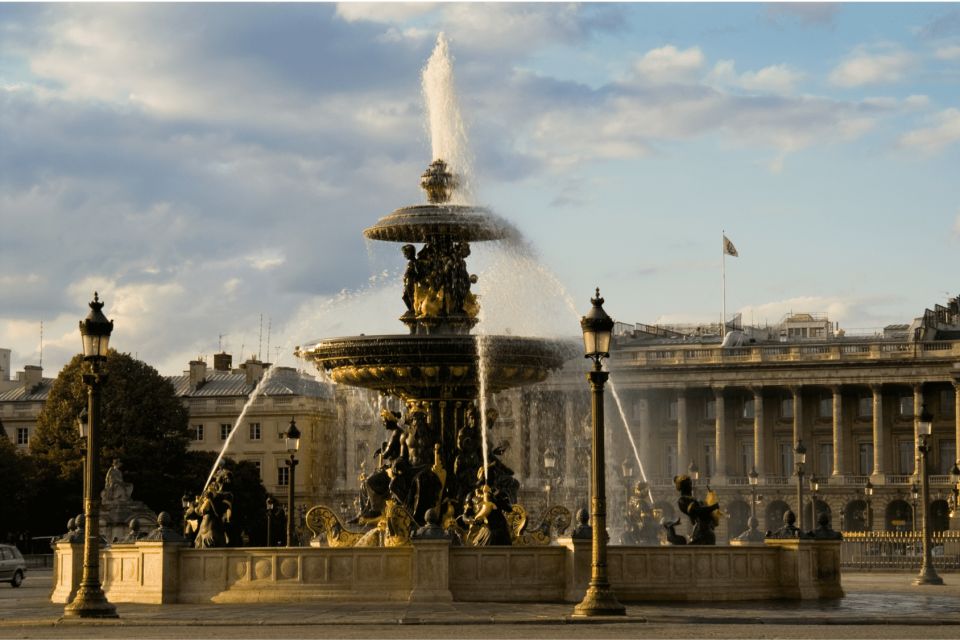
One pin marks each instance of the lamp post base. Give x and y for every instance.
(927, 576)
(599, 601)
(90, 603)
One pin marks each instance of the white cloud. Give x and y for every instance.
(383, 12)
(887, 65)
(916, 101)
(944, 131)
(777, 79)
(669, 64)
(948, 52)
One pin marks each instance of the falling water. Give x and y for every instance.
(448, 136)
(482, 362)
(633, 445)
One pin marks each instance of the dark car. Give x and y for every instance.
(12, 565)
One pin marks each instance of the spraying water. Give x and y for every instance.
(633, 445)
(448, 136)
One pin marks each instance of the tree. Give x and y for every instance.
(142, 422)
(19, 487)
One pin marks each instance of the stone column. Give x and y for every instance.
(569, 436)
(720, 449)
(759, 441)
(956, 419)
(917, 404)
(644, 435)
(533, 456)
(796, 390)
(839, 456)
(683, 435)
(879, 438)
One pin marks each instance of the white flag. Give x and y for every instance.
(728, 247)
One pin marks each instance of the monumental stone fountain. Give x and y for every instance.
(435, 454)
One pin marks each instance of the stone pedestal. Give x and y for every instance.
(431, 571)
(809, 568)
(67, 571)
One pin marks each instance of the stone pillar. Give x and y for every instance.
(796, 390)
(879, 438)
(839, 453)
(644, 436)
(533, 457)
(431, 571)
(917, 404)
(569, 438)
(67, 571)
(759, 440)
(956, 420)
(683, 436)
(720, 449)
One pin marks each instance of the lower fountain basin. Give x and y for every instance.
(437, 366)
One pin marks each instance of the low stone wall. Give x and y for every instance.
(432, 571)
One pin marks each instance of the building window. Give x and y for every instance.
(786, 408)
(825, 459)
(23, 435)
(905, 406)
(948, 400)
(865, 459)
(198, 432)
(256, 464)
(283, 476)
(254, 430)
(748, 409)
(905, 456)
(865, 407)
(825, 407)
(670, 460)
(746, 458)
(672, 411)
(710, 410)
(708, 459)
(946, 456)
(786, 458)
(224, 431)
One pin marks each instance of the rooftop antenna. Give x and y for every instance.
(260, 343)
(220, 342)
(269, 326)
(41, 344)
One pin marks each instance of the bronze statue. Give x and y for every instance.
(789, 528)
(823, 530)
(583, 530)
(700, 514)
(209, 516)
(753, 533)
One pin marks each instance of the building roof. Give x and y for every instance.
(283, 382)
(21, 393)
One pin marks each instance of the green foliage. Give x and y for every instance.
(143, 423)
(18, 473)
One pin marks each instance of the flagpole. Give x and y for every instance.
(723, 278)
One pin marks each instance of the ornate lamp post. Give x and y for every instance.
(599, 600)
(914, 497)
(814, 494)
(868, 494)
(270, 506)
(693, 471)
(90, 601)
(627, 469)
(928, 574)
(292, 439)
(799, 457)
(754, 478)
(955, 492)
(549, 464)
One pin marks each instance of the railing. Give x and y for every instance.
(855, 351)
(38, 561)
(885, 550)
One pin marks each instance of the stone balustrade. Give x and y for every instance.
(432, 571)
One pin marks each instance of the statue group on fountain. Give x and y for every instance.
(436, 283)
(207, 521)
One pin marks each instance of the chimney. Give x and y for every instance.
(254, 370)
(32, 375)
(222, 362)
(4, 365)
(198, 374)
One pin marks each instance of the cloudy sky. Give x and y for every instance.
(203, 165)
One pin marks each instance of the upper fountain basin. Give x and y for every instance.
(445, 365)
(426, 222)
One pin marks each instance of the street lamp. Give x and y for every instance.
(693, 471)
(90, 601)
(928, 574)
(799, 457)
(914, 497)
(270, 506)
(549, 463)
(599, 599)
(868, 493)
(754, 478)
(292, 439)
(814, 494)
(955, 492)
